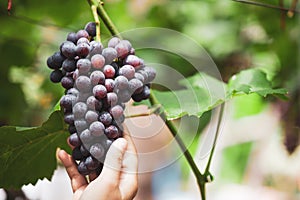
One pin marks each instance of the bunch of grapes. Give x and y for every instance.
(98, 82)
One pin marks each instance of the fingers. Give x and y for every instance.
(77, 180)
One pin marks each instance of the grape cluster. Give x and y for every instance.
(98, 82)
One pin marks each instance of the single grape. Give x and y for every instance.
(99, 91)
(97, 77)
(67, 82)
(135, 86)
(69, 118)
(96, 48)
(83, 40)
(82, 169)
(97, 61)
(82, 49)
(109, 54)
(143, 95)
(74, 140)
(139, 76)
(67, 101)
(112, 98)
(79, 110)
(91, 116)
(128, 71)
(91, 163)
(82, 33)
(109, 71)
(112, 132)
(93, 103)
(124, 95)
(109, 85)
(80, 125)
(85, 136)
(134, 61)
(82, 97)
(113, 42)
(97, 128)
(122, 49)
(121, 83)
(97, 151)
(84, 66)
(83, 84)
(69, 65)
(151, 74)
(76, 154)
(116, 111)
(51, 64)
(56, 76)
(91, 28)
(72, 37)
(68, 49)
(105, 118)
(58, 58)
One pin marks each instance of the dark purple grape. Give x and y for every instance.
(72, 129)
(83, 49)
(84, 151)
(58, 58)
(83, 84)
(86, 136)
(72, 37)
(97, 151)
(51, 64)
(67, 82)
(91, 163)
(69, 119)
(113, 42)
(109, 85)
(81, 34)
(112, 132)
(116, 111)
(56, 76)
(93, 103)
(105, 118)
(97, 128)
(99, 91)
(74, 140)
(121, 83)
(82, 169)
(109, 54)
(76, 154)
(98, 61)
(84, 66)
(97, 77)
(68, 49)
(67, 101)
(91, 28)
(109, 71)
(69, 65)
(143, 95)
(91, 116)
(128, 71)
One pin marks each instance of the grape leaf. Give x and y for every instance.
(28, 154)
(250, 81)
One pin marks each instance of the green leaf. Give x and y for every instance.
(186, 102)
(28, 154)
(252, 81)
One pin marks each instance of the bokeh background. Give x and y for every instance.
(257, 155)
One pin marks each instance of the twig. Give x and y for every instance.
(97, 21)
(292, 8)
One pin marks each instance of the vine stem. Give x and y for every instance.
(202, 179)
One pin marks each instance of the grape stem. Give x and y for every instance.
(97, 21)
(202, 178)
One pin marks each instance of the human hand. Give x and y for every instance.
(118, 179)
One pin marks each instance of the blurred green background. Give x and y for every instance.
(237, 36)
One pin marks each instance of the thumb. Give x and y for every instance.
(113, 161)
